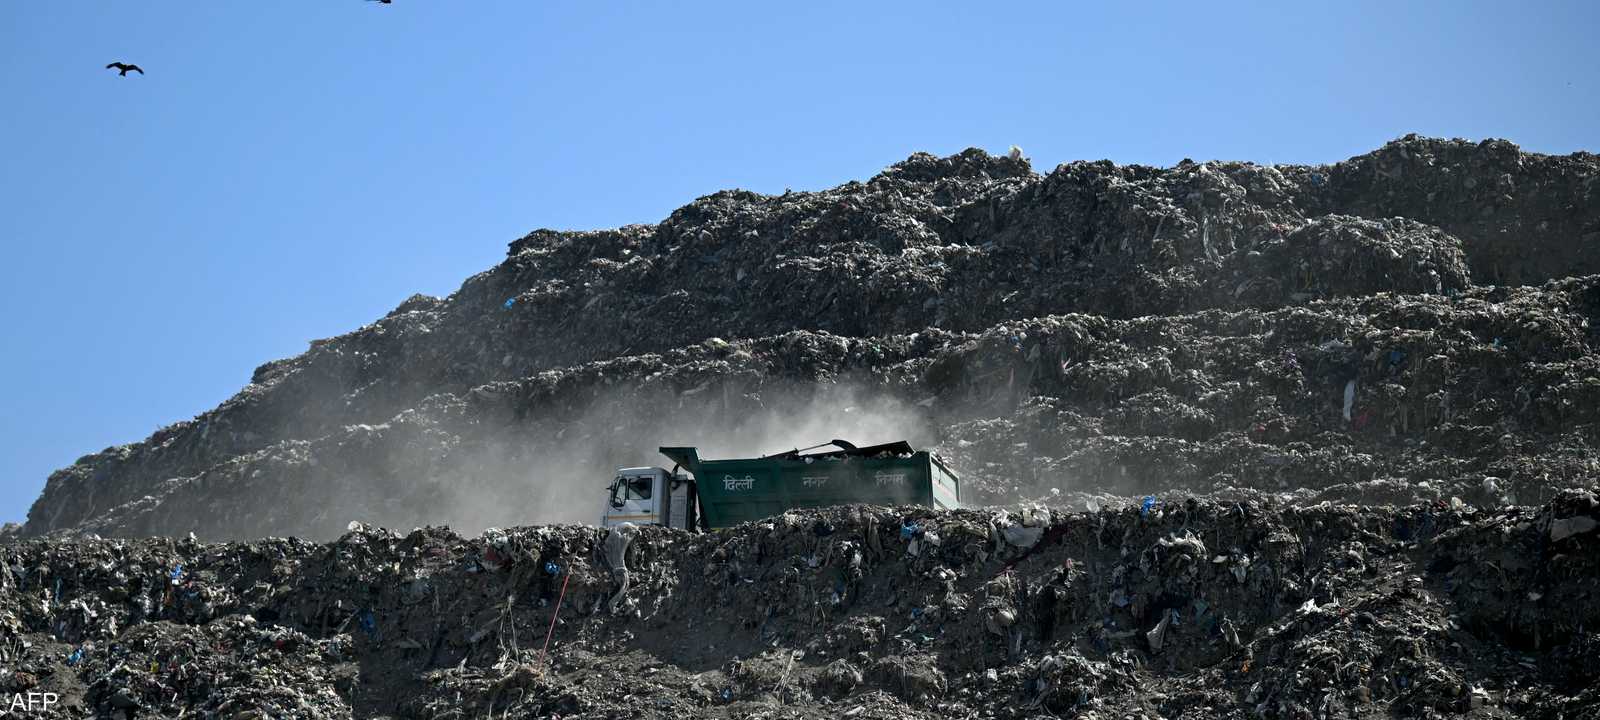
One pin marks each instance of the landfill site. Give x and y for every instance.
(1232, 440)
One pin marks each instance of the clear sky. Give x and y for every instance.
(292, 169)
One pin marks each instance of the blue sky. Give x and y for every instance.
(293, 169)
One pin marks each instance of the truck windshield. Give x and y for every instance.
(637, 488)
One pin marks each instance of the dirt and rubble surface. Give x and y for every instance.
(1167, 609)
(1264, 441)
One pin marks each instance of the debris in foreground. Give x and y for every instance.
(1205, 609)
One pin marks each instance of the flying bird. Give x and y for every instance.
(123, 68)
(386, 2)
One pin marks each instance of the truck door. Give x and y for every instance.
(633, 499)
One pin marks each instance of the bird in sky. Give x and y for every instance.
(123, 68)
(385, 2)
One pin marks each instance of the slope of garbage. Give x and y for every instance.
(1234, 441)
(1098, 328)
(1490, 396)
(1162, 609)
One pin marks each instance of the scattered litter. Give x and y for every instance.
(1164, 594)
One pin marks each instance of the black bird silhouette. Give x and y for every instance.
(123, 68)
(386, 2)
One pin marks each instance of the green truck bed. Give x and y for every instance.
(741, 490)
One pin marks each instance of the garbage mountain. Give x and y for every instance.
(1235, 441)
(1409, 324)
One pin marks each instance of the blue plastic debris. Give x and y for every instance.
(1396, 357)
(1144, 507)
(510, 302)
(909, 530)
(369, 623)
(551, 568)
(177, 573)
(75, 657)
(727, 694)
(916, 612)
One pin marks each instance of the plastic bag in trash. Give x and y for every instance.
(1022, 537)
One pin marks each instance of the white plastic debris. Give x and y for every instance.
(1022, 537)
(1157, 636)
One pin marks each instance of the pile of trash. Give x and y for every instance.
(1234, 440)
(1277, 286)
(1168, 607)
(1489, 397)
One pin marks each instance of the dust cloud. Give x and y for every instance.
(555, 470)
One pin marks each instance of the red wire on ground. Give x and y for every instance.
(553, 617)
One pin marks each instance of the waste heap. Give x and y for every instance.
(1235, 441)
(1411, 324)
(1166, 608)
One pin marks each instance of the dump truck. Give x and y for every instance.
(700, 494)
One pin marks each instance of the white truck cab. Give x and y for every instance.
(651, 496)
